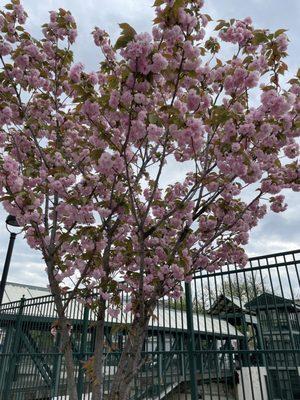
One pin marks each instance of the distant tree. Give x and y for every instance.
(239, 287)
(236, 287)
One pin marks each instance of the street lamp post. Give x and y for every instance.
(10, 221)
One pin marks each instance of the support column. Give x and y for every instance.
(191, 341)
(82, 356)
(261, 345)
(56, 367)
(6, 264)
(15, 352)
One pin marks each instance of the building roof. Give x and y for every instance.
(15, 291)
(163, 317)
(227, 304)
(268, 301)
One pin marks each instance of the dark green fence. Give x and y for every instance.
(235, 334)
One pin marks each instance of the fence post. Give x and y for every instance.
(15, 352)
(57, 359)
(160, 354)
(261, 346)
(191, 341)
(80, 384)
(245, 356)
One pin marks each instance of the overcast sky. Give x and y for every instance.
(277, 232)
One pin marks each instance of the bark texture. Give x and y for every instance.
(97, 391)
(66, 348)
(131, 360)
(65, 345)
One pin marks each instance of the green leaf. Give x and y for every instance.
(177, 5)
(282, 68)
(277, 163)
(127, 36)
(153, 118)
(158, 3)
(248, 59)
(6, 197)
(221, 25)
(62, 11)
(212, 45)
(113, 82)
(202, 51)
(293, 81)
(220, 115)
(156, 20)
(208, 17)
(279, 32)
(281, 136)
(260, 37)
(121, 42)
(297, 124)
(127, 29)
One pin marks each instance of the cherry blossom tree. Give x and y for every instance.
(87, 158)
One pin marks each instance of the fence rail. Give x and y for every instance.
(235, 335)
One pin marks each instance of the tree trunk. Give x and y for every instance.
(66, 345)
(97, 391)
(66, 348)
(130, 360)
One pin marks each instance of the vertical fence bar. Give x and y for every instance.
(57, 359)
(191, 341)
(80, 384)
(15, 350)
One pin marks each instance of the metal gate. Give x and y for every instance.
(235, 335)
(262, 302)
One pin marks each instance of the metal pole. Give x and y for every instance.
(6, 264)
(191, 341)
(82, 355)
(56, 375)
(13, 362)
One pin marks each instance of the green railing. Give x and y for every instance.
(234, 335)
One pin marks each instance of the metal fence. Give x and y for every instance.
(235, 335)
